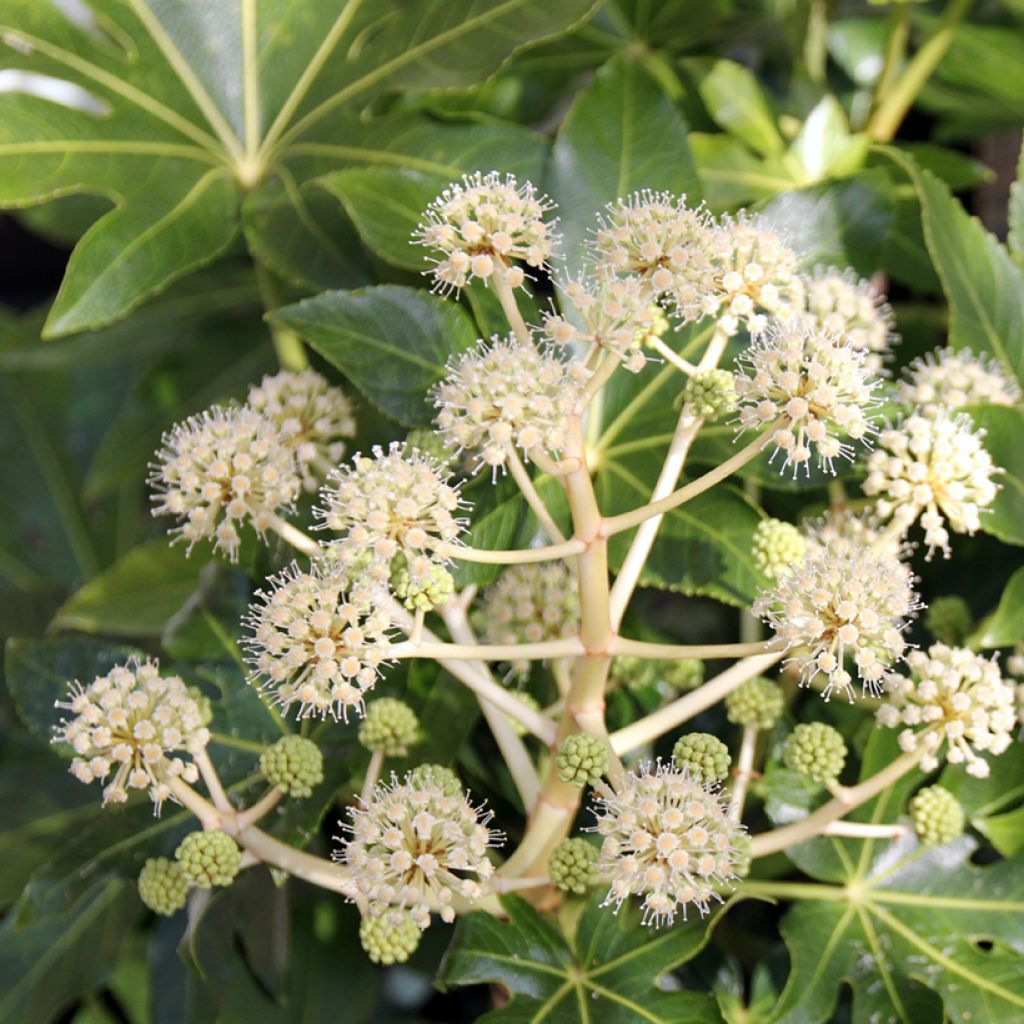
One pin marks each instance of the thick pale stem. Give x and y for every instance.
(292, 535)
(643, 649)
(543, 649)
(549, 553)
(261, 808)
(208, 815)
(509, 305)
(602, 375)
(212, 782)
(862, 830)
(372, 776)
(742, 773)
(666, 353)
(715, 350)
(548, 465)
(533, 499)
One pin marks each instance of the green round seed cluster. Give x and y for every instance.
(390, 727)
(757, 704)
(949, 620)
(424, 776)
(531, 702)
(163, 886)
(682, 673)
(582, 759)
(209, 858)
(293, 764)
(421, 592)
(711, 394)
(817, 751)
(937, 816)
(704, 756)
(777, 546)
(628, 670)
(389, 939)
(572, 866)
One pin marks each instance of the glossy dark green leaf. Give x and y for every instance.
(1005, 626)
(1004, 427)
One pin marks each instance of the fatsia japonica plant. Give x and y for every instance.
(603, 592)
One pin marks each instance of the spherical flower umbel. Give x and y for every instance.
(844, 601)
(209, 858)
(133, 724)
(582, 759)
(417, 847)
(666, 838)
(705, 757)
(851, 309)
(481, 225)
(937, 816)
(313, 416)
(219, 470)
(777, 545)
(816, 750)
(293, 764)
(505, 394)
(390, 727)
(948, 379)
(815, 382)
(163, 886)
(711, 394)
(390, 938)
(953, 697)
(936, 468)
(757, 704)
(572, 866)
(315, 643)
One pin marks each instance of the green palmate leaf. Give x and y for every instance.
(495, 517)
(1005, 626)
(391, 342)
(1004, 427)
(1015, 238)
(732, 175)
(981, 281)
(184, 109)
(622, 134)
(825, 147)
(608, 972)
(735, 100)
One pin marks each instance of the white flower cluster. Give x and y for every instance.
(313, 417)
(841, 530)
(131, 722)
(947, 379)
(417, 846)
(315, 643)
(849, 308)
(508, 394)
(220, 469)
(953, 696)
(816, 381)
(843, 600)
(936, 468)
(667, 838)
(479, 226)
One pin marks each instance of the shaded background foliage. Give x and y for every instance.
(178, 256)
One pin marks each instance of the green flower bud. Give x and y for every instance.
(816, 750)
(937, 816)
(582, 759)
(741, 852)
(757, 704)
(293, 764)
(777, 545)
(424, 775)
(711, 394)
(704, 756)
(949, 620)
(648, 334)
(423, 586)
(389, 939)
(390, 727)
(682, 673)
(163, 886)
(627, 670)
(531, 702)
(209, 858)
(572, 866)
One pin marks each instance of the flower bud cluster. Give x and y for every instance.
(703, 756)
(816, 750)
(391, 938)
(711, 394)
(209, 859)
(293, 764)
(572, 866)
(163, 886)
(947, 379)
(777, 546)
(390, 727)
(582, 759)
(757, 704)
(937, 816)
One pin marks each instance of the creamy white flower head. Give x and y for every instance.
(617, 315)
(314, 643)
(842, 530)
(313, 416)
(130, 723)
(528, 604)
(936, 468)
(948, 379)
(849, 307)
(506, 394)
(418, 846)
(220, 469)
(655, 237)
(388, 503)
(482, 225)
(814, 379)
(666, 838)
(956, 697)
(751, 276)
(844, 600)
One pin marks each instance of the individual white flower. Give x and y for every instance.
(850, 308)
(666, 838)
(131, 722)
(953, 696)
(617, 316)
(313, 416)
(530, 603)
(751, 275)
(220, 469)
(506, 394)
(843, 600)
(936, 468)
(948, 379)
(391, 503)
(815, 380)
(418, 846)
(482, 224)
(314, 643)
